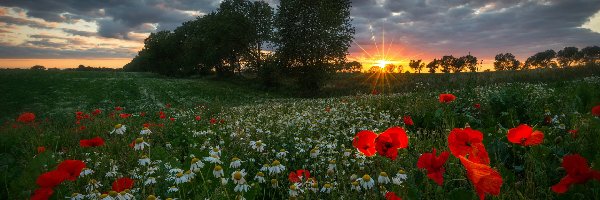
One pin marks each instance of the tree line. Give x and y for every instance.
(303, 40)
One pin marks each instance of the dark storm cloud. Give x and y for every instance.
(483, 27)
(24, 22)
(79, 33)
(115, 18)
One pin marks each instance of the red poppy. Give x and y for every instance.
(96, 112)
(447, 98)
(468, 142)
(124, 115)
(198, 118)
(81, 128)
(483, 177)
(94, 142)
(408, 121)
(388, 142)
(392, 196)
(525, 136)
(162, 115)
(172, 119)
(477, 106)
(26, 117)
(52, 178)
(573, 133)
(142, 114)
(578, 172)
(72, 167)
(434, 165)
(364, 141)
(596, 111)
(42, 194)
(299, 175)
(213, 121)
(41, 149)
(118, 108)
(122, 184)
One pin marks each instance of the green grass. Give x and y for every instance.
(297, 126)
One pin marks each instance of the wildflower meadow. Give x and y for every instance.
(497, 141)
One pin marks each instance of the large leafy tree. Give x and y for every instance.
(433, 65)
(447, 63)
(543, 59)
(506, 61)
(416, 65)
(313, 38)
(591, 54)
(568, 56)
(470, 62)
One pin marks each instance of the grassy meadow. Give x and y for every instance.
(199, 126)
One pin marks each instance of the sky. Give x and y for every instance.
(108, 33)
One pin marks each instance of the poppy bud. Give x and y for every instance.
(558, 140)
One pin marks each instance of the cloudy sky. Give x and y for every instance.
(65, 33)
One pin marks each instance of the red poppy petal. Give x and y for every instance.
(574, 164)
(563, 185)
(517, 134)
(537, 137)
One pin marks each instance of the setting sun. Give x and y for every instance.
(382, 63)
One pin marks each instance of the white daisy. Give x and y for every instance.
(172, 189)
(76, 196)
(241, 188)
(235, 162)
(92, 185)
(294, 190)
(150, 181)
(258, 145)
(399, 178)
(314, 152)
(119, 129)
(218, 171)
(196, 165)
(355, 186)
(282, 153)
(145, 131)
(140, 144)
(260, 177)
(276, 167)
(213, 159)
(85, 172)
(383, 178)
(238, 177)
(366, 182)
(144, 160)
(215, 151)
(327, 188)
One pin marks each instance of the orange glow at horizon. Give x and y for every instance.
(64, 63)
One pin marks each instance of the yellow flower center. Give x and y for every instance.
(195, 160)
(103, 196)
(216, 149)
(332, 162)
(179, 174)
(366, 177)
(401, 171)
(275, 163)
(237, 175)
(145, 128)
(113, 193)
(93, 181)
(118, 126)
(122, 193)
(218, 168)
(282, 150)
(327, 185)
(383, 174)
(235, 159)
(293, 187)
(74, 194)
(260, 174)
(355, 183)
(315, 185)
(273, 181)
(139, 140)
(259, 143)
(151, 197)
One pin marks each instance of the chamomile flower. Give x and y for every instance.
(218, 171)
(180, 178)
(332, 165)
(274, 183)
(314, 152)
(294, 190)
(347, 152)
(366, 182)
(172, 189)
(215, 151)
(76, 196)
(276, 167)
(399, 178)
(383, 178)
(265, 167)
(140, 144)
(355, 186)
(224, 181)
(258, 145)
(106, 197)
(119, 129)
(150, 181)
(214, 159)
(235, 162)
(145, 131)
(241, 188)
(314, 186)
(238, 177)
(85, 172)
(92, 185)
(196, 165)
(282, 153)
(327, 188)
(260, 177)
(144, 160)
(125, 195)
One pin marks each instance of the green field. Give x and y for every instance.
(553, 102)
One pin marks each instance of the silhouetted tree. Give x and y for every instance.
(353, 66)
(312, 38)
(433, 65)
(470, 62)
(416, 65)
(447, 63)
(543, 59)
(374, 69)
(591, 54)
(390, 68)
(38, 67)
(568, 56)
(506, 61)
